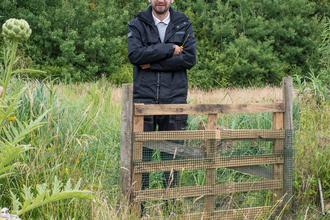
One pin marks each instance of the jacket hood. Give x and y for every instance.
(176, 17)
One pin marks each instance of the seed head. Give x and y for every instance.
(14, 29)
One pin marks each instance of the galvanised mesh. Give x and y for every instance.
(215, 173)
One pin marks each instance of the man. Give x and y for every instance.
(160, 68)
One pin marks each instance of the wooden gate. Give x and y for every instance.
(278, 178)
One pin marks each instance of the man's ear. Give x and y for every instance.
(172, 1)
(149, 1)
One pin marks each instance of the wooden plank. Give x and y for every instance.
(177, 109)
(190, 152)
(256, 170)
(137, 155)
(278, 149)
(246, 134)
(174, 135)
(125, 176)
(206, 135)
(200, 191)
(232, 214)
(176, 149)
(287, 94)
(210, 154)
(204, 163)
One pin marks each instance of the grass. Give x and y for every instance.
(80, 139)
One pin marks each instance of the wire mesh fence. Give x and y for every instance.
(212, 173)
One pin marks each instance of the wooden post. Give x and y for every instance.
(1, 90)
(137, 156)
(125, 174)
(287, 94)
(210, 173)
(278, 146)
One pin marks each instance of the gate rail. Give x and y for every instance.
(279, 176)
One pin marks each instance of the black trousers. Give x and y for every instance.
(165, 123)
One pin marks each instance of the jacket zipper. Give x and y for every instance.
(158, 85)
(158, 73)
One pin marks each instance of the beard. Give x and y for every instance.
(161, 11)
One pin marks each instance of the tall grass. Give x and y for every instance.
(81, 139)
(312, 141)
(14, 142)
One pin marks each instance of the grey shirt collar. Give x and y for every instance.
(165, 21)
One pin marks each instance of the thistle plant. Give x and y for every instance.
(14, 30)
(13, 131)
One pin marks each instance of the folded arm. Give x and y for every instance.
(184, 60)
(139, 54)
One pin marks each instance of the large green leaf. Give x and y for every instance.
(45, 195)
(8, 153)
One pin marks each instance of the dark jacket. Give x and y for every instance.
(166, 81)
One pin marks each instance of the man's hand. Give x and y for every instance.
(145, 66)
(177, 50)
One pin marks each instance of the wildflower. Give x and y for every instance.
(85, 189)
(81, 154)
(48, 149)
(67, 170)
(172, 213)
(11, 118)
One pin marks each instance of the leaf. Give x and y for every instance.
(28, 71)
(68, 186)
(57, 186)
(14, 102)
(43, 197)
(8, 154)
(8, 136)
(4, 175)
(16, 202)
(27, 129)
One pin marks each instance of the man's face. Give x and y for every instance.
(160, 6)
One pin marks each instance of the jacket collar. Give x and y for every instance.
(176, 17)
(165, 21)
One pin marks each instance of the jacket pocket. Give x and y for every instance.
(177, 37)
(152, 39)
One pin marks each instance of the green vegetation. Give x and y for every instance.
(240, 42)
(14, 131)
(52, 132)
(81, 137)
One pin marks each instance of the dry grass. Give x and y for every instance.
(225, 96)
(197, 96)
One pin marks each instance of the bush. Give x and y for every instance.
(240, 43)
